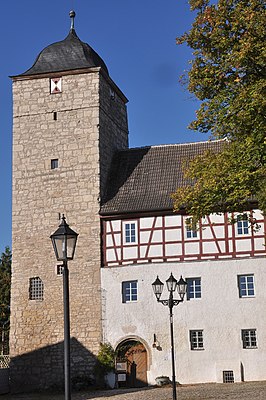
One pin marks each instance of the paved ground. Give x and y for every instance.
(215, 391)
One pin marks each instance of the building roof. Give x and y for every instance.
(142, 179)
(68, 54)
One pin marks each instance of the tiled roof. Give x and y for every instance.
(142, 179)
(69, 54)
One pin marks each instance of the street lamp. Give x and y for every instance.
(172, 284)
(64, 241)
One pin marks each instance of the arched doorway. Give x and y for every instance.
(131, 364)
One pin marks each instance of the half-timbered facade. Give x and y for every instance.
(220, 327)
(163, 238)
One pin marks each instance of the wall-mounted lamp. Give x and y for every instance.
(156, 343)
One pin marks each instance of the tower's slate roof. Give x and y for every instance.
(142, 179)
(69, 54)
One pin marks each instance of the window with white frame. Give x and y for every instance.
(249, 338)
(130, 232)
(36, 289)
(196, 340)
(242, 224)
(191, 231)
(129, 291)
(246, 285)
(193, 288)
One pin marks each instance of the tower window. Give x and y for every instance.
(55, 116)
(36, 289)
(54, 163)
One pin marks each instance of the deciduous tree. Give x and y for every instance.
(228, 75)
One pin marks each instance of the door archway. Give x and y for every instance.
(132, 358)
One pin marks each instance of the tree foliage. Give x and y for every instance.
(5, 283)
(106, 357)
(228, 75)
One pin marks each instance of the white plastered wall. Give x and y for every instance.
(220, 313)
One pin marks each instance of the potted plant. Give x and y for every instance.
(105, 368)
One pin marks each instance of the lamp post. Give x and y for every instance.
(64, 241)
(172, 285)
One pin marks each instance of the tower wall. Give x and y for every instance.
(81, 128)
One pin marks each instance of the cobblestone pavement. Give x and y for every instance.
(215, 391)
(211, 391)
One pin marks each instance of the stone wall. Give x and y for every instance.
(74, 136)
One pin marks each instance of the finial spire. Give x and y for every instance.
(72, 15)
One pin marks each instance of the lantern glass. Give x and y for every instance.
(171, 283)
(64, 242)
(182, 287)
(157, 288)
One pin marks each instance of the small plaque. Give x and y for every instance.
(121, 366)
(122, 377)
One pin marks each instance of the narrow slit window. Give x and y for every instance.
(54, 163)
(55, 116)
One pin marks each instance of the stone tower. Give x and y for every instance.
(69, 118)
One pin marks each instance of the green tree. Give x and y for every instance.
(228, 75)
(5, 283)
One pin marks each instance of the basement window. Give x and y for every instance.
(228, 377)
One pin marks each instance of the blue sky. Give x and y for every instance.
(136, 39)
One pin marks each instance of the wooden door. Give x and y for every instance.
(136, 366)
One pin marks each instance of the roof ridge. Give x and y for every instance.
(190, 143)
(173, 144)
